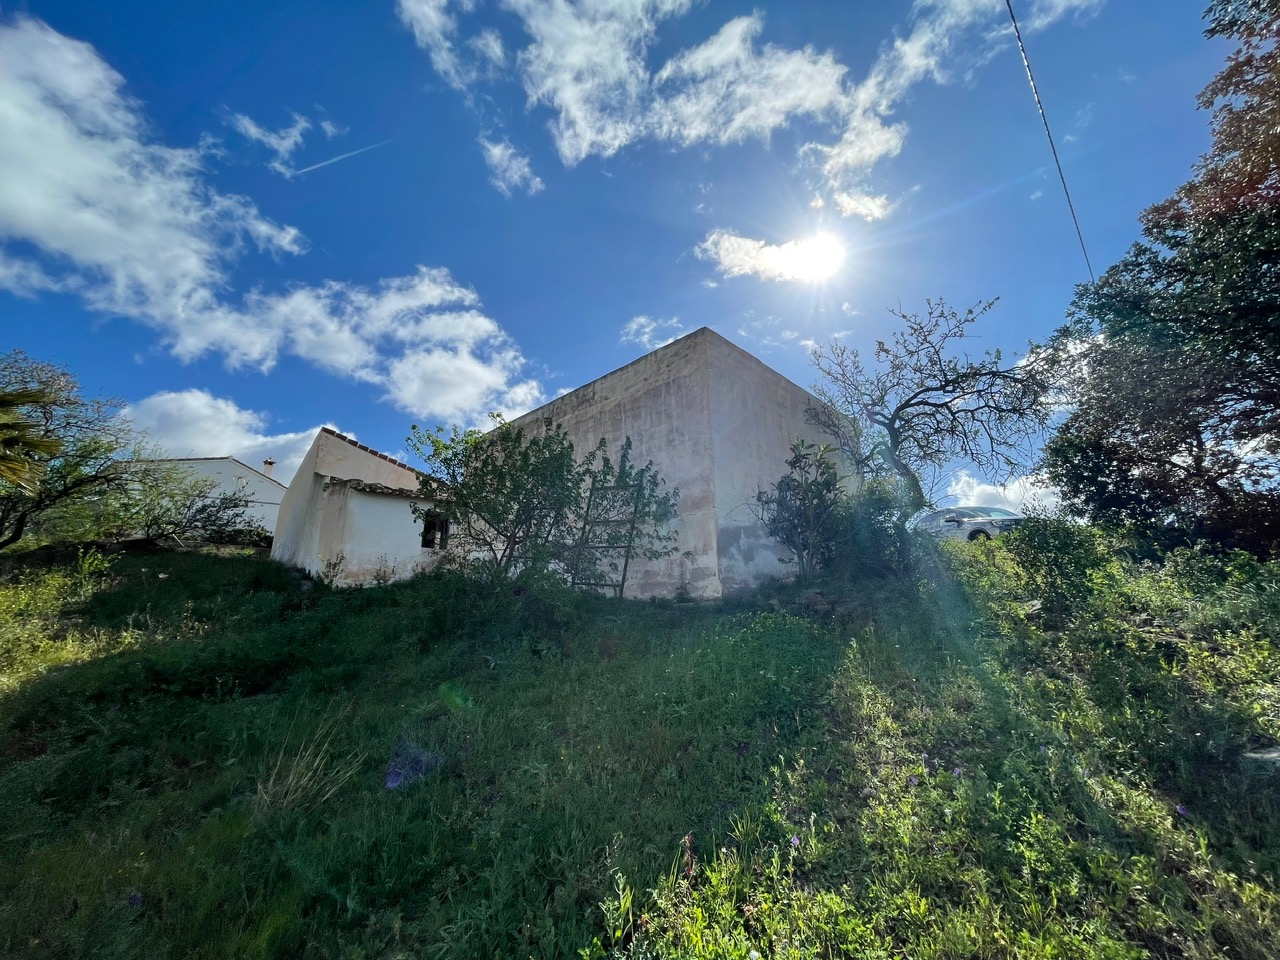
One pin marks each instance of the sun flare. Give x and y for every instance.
(813, 259)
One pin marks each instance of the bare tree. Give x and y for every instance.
(923, 403)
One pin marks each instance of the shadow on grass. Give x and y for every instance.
(215, 787)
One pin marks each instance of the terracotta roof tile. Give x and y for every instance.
(365, 486)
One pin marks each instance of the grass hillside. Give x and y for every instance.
(204, 756)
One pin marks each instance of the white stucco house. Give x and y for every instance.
(347, 516)
(718, 424)
(230, 475)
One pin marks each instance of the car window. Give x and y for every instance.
(993, 512)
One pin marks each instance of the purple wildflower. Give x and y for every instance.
(955, 772)
(795, 841)
(135, 899)
(1182, 810)
(913, 779)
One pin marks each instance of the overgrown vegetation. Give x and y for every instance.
(195, 750)
(72, 470)
(526, 506)
(1172, 358)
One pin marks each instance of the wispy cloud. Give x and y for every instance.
(434, 27)
(509, 169)
(587, 61)
(651, 333)
(282, 143)
(91, 206)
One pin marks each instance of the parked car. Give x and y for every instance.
(969, 523)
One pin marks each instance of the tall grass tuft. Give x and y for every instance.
(309, 769)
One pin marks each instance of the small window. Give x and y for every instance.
(435, 532)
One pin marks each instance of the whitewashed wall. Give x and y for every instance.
(232, 476)
(330, 528)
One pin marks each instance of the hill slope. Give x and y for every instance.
(204, 756)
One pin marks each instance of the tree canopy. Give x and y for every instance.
(1171, 358)
(72, 469)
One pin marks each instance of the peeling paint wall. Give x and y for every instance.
(718, 425)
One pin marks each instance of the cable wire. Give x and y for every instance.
(1035, 92)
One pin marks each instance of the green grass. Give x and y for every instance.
(193, 749)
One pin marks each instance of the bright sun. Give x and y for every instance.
(813, 259)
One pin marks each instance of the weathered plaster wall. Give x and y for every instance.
(660, 401)
(338, 456)
(755, 416)
(297, 529)
(718, 424)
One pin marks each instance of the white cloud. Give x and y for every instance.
(1036, 195)
(813, 258)
(869, 208)
(509, 169)
(130, 225)
(726, 90)
(651, 333)
(458, 382)
(587, 61)
(1019, 495)
(195, 423)
(434, 27)
(134, 229)
(282, 143)
(332, 129)
(488, 45)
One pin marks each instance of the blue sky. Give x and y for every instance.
(248, 224)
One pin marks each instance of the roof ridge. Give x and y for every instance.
(247, 466)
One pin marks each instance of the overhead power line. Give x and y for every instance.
(1035, 92)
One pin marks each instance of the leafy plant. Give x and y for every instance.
(802, 510)
(517, 503)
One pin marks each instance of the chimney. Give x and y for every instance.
(267, 464)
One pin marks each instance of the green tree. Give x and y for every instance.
(21, 437)
(80, 472)
(802, 511)
(78, 450)
(516, 503)
(1171, 359)
(166, 502)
